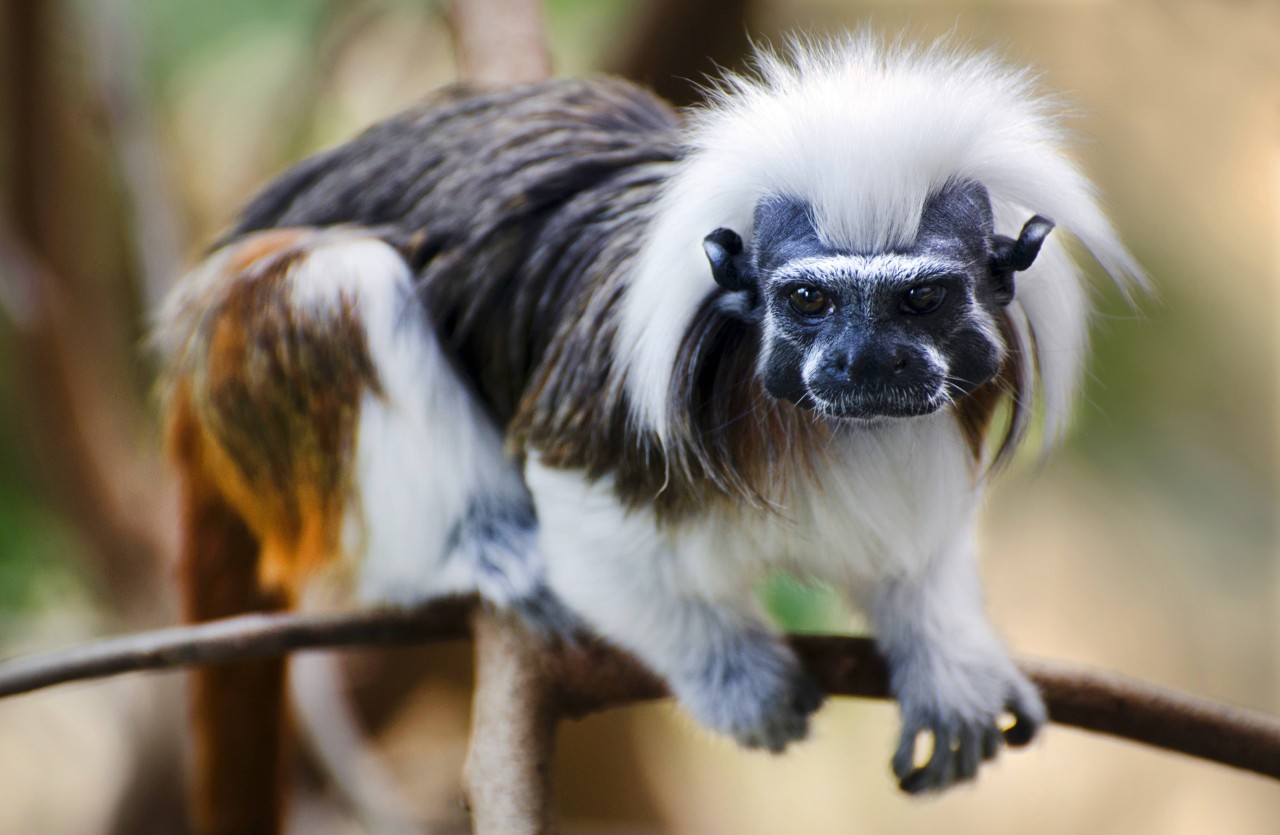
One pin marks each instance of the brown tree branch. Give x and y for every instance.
(576, 681)
(115, 494)
(507, 779)
(1126, 707)
(238, 638)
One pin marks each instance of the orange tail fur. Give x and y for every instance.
(238, 709)
(262, 401)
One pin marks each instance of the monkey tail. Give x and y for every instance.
(238, 710)
(260, 416)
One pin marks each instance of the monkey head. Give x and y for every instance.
(893, 333)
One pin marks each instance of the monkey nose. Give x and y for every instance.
(884, 366)
(898, 361)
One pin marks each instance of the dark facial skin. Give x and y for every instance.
(892, 334)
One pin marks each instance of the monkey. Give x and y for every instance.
(608, 365)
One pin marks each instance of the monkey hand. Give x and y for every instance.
(959, 705)
(754, 689)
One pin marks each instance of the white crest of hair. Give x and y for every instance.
(864, 132)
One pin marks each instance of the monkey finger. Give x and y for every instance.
(914, 783)
(969, 755)
(808, 695)
(1028, 713)
(1020, 734)
(991, 737)
(1026, 723)
(938, 772)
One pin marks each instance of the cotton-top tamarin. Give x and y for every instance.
(597, 360)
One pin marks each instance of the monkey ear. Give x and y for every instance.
(724, 251)
(731, 268)
(1009, 256)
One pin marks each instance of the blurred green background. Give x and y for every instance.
(133, 130)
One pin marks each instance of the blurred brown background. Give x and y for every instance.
(130, 131)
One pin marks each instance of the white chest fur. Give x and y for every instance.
(886, 498)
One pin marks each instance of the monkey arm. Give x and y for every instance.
(720, 659)
(951, 675)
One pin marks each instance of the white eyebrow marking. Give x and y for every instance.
(880, 268)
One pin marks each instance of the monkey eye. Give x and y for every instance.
(923, 298)
(808, 300)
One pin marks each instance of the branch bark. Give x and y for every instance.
(572, 682)
(239, 638)
(508, 776)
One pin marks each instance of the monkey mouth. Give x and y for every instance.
(863, 404)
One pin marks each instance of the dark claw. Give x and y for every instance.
(809, 695)
(964, 735)
(914, 783)
(904, 758)
(1028, 716)
(937, 772)
(1022, 732)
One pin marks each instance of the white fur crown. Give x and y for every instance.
(864, 132)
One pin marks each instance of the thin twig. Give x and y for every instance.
(232, 639)
(1118, 705)
(591, 677)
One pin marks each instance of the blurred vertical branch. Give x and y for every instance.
(498, 42)
(507, 777)
(337, 24)
(675, 45)
(74, 345)
(154, 219)
(87, 238)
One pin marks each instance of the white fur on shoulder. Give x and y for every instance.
(865, 132)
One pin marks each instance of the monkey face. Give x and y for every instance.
(896, 333)
(887, 336)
